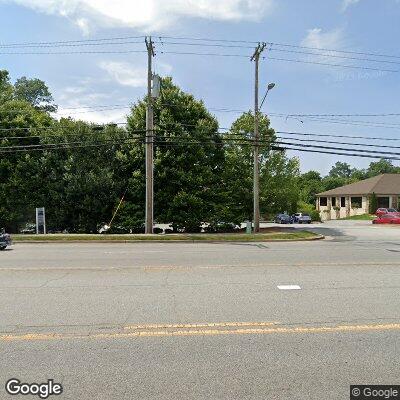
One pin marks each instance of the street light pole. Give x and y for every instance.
(256, 178)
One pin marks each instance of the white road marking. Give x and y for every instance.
(289, 287)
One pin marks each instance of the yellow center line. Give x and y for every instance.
(202, 325)
(201, 332)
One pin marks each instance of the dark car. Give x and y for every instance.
(5, 240)
(283, 219)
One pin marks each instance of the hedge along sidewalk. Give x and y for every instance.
(178, 237)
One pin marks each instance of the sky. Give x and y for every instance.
(86, 80)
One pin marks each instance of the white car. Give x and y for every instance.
(301, 218)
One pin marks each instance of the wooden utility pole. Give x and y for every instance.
(256, 179)
(149, 141)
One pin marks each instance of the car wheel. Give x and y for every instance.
(309, 222)
(3, 247)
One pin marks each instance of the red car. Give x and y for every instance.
(383, 211)
(387, 219)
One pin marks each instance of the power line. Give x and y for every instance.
(335, 50)
(341, 143)
(192, 53)
(338, 136)
(293, 146)
(73, 52)
(339, 148)
(384, 125)
(320, 54)
(375, 54)
(347, 115)
(339, 153)
(281, 59)
(209, 40)
(335, 56)
(71, 41)
(330, 64)
(51, 46)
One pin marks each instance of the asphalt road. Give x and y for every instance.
(204, 321)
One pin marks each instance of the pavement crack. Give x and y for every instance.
(54, 279)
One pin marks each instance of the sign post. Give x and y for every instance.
(40, 221)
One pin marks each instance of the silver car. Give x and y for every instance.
(5, 240)
(301, 218)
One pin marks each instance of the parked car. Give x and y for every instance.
(301, 218)
(389, 218)
(28, 229)
(5, 240)
(283, 219)
(383, 211)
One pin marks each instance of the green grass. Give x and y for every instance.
(363, 217)
(217, 237)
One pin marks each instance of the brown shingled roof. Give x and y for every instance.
(380, 185)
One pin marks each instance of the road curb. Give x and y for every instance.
(318, 237)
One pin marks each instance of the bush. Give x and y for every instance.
(116, 229)
(310, 210)
(138, 229)
(314, 214)
(373, 203)
(224, 227)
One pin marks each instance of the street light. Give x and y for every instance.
(269, 87)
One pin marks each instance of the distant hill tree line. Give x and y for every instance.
(79, 171)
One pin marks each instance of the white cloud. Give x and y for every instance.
(129, 75)
(84, 25)
(125, 74)
(347, 3)
(321, 42)
(148, 15)
(324, 40)
(77, 102)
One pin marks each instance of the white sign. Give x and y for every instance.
(40, 221)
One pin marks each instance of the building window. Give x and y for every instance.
(323, 201)
(356, 202)
(383, 202)
(333, 201)
(343, 202)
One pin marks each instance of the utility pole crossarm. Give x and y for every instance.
(257, 52)
(150, 45)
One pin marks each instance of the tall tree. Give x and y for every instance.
(188, 158)
(6, 89)
(35, 92)
(278, 173)
(310, 183)
(382, 167)
(340, 170)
